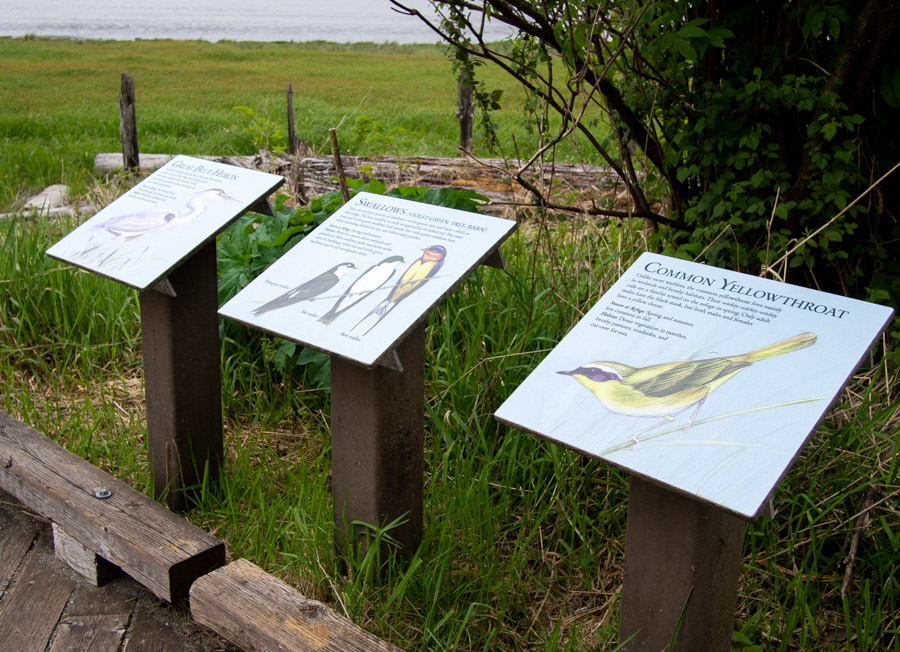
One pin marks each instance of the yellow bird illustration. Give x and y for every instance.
(415, 276)
(664, 390)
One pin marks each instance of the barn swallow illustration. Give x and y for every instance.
(369, 281)
(415, 276)
(664, 390)
(307, 291)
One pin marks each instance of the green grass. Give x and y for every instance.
(524, 541)
(59, 101)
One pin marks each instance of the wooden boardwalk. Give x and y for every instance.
(45, 606)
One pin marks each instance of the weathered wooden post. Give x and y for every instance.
(128, 124)
(371, 274)
(465, 112)
(682, 565)
(182, 383)
(160, 238)
(704, 384)
(293, 145)
(377, 449)
(338, 164)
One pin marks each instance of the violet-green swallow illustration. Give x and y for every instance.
(307, 291)
(369, 281)
(415, 276)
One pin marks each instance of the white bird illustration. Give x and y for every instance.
(370, 280)
(133, 225)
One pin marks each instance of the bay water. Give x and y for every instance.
(339, 21)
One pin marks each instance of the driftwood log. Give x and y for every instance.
(313, 175)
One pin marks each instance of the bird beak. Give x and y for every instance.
(567, 373)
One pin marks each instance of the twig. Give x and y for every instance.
(833, 219)
(861, 519)
(338, 164)
(631, 444)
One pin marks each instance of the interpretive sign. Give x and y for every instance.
(144, 234)
(704, 380)
(358, 283)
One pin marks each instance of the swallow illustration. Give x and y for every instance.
(415, 276)
(132, 225)
(665, 390)
(307, 291)
(369, 281)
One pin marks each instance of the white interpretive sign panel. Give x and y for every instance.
(369, 273)
(147, 232)
(704, 380)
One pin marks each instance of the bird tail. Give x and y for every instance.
(784, 346)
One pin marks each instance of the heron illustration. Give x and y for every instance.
(129, 226)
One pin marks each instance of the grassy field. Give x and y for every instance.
(524, 541)
(59, 106)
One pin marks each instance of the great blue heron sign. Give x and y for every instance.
(143, 235)
(160, 235)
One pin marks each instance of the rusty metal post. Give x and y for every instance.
(682, 557)
(182, 380)
(377, 449)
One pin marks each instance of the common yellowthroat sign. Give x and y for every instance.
(704, 380)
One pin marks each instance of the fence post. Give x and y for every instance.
(293, 145)
(466, 111)
(128, 124)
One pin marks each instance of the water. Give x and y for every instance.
(340, 21)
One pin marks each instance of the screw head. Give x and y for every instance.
(102, 493)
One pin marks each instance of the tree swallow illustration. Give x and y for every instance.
(415, 276)
(369, 281)
(665, 390)
(307, 291)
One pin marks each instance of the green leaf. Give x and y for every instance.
(285, 351)
(684, 48)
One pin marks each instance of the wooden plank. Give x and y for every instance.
(31, 609)
(257, 611)
(157, 548)
(681, 556)
(119, 597)
(91, 566)
(377, 449)
(17, 533)
(182, 380)
(97, 633)
(149, 634)
(318, 174)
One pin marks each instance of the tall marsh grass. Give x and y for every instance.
(524, 540)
